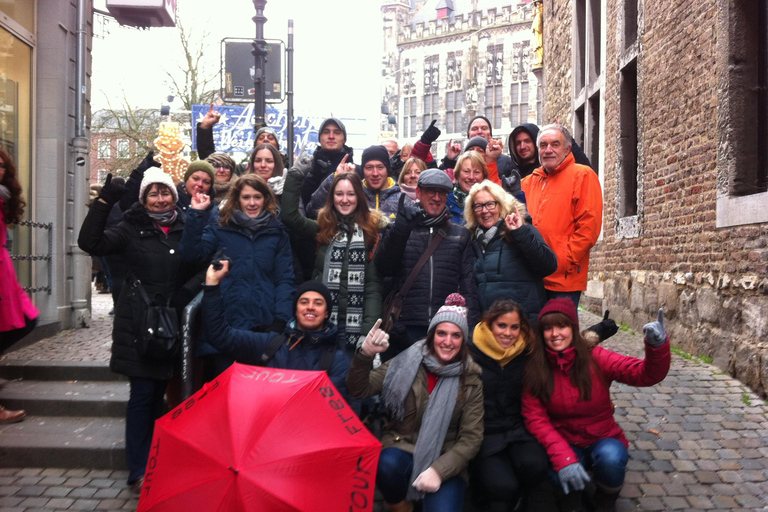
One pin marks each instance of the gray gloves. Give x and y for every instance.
(573, 477)
(654, 332)
(303, 163)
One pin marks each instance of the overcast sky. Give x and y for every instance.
(338, 51)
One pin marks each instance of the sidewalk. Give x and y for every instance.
(698, 440)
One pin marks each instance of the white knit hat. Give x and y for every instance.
(154, 175)
(454, 311)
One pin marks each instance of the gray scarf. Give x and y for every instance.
(163, 219)
(484, 236)
(397, 384)
(252, 225)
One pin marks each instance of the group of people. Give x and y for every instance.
(449, 291)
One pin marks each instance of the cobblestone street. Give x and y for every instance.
(699, 440)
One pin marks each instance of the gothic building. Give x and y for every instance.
(453, 59)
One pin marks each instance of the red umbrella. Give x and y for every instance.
(261, 439)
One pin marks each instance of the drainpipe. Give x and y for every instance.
(81, 313)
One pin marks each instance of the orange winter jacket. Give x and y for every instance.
(567, 209)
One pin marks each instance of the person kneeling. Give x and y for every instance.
(434, 399)
(307, 343)
(567, 403)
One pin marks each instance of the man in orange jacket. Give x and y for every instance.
(566, 203)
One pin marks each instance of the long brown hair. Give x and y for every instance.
(501, 307)
(539, 380)
(278, 170)
(367, 219)
(232, 201)
(14, 207)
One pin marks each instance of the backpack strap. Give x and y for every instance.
(274, 345)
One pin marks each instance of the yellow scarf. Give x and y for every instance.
(486, 342)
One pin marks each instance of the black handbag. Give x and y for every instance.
(158, 325)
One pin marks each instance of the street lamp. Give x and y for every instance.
(259, 52)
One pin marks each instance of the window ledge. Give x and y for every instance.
(737, 211)
(628, 227)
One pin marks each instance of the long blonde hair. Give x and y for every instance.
(507, 203)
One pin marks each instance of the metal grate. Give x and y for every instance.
(38, 257)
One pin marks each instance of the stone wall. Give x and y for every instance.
(711, 280)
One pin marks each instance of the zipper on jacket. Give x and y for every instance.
(431, 276)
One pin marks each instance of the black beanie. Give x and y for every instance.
(377, 154)
(490, 126)
(337, 122)
(313, 286)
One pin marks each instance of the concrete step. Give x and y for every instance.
(57, 370)
(63, 442)
(67, 398)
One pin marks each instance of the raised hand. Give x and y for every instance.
(376, 341)
(303, 163)
(431, 134)
(512, 183)
(200, 201)
(453, 150)
(344, 166)
(211, 118)
(111, 192)
(493, 151)
(514, 220)
(214, 276)
(654, 332)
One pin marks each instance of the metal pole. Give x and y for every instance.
(289, 93)
(259, 52)
(81, 263)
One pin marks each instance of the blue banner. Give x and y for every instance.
(234, 131)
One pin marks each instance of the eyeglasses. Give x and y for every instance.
(490, 206)
(430, 192)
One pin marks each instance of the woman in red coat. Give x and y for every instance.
(567, 403)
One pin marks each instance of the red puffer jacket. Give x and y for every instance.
(566, 421)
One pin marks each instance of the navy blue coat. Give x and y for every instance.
(260, 284)
(513, 266)
(247, 347)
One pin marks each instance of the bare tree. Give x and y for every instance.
(194, 86)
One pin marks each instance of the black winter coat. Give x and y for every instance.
(448, 271)
(502, 394)
(154, 259)
(513, 266)
(324, 163)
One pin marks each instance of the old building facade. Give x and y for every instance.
(670, 101)
(453, 59)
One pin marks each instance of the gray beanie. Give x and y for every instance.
(435, 178)
(455, 312)
(476, 141)
(337, 122)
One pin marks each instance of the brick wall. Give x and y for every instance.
(712, 281)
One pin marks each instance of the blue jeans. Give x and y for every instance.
(606, 458)
(145, 405)
(394, 477)
(574, 296)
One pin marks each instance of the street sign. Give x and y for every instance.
(239, 69)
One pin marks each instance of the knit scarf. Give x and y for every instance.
(334, 261)
(430, 222)
(459, 195)
(484, 236)
(163, 219)
(486, 342)
(397, 384)
(252, 225)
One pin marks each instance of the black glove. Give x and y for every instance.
(149, 161)
(511, 183)
(606, 328)
(111, 192)
(395, 164)
(406, 216)
(431, 134)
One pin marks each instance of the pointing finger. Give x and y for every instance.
(661, 317)
(605, 317)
